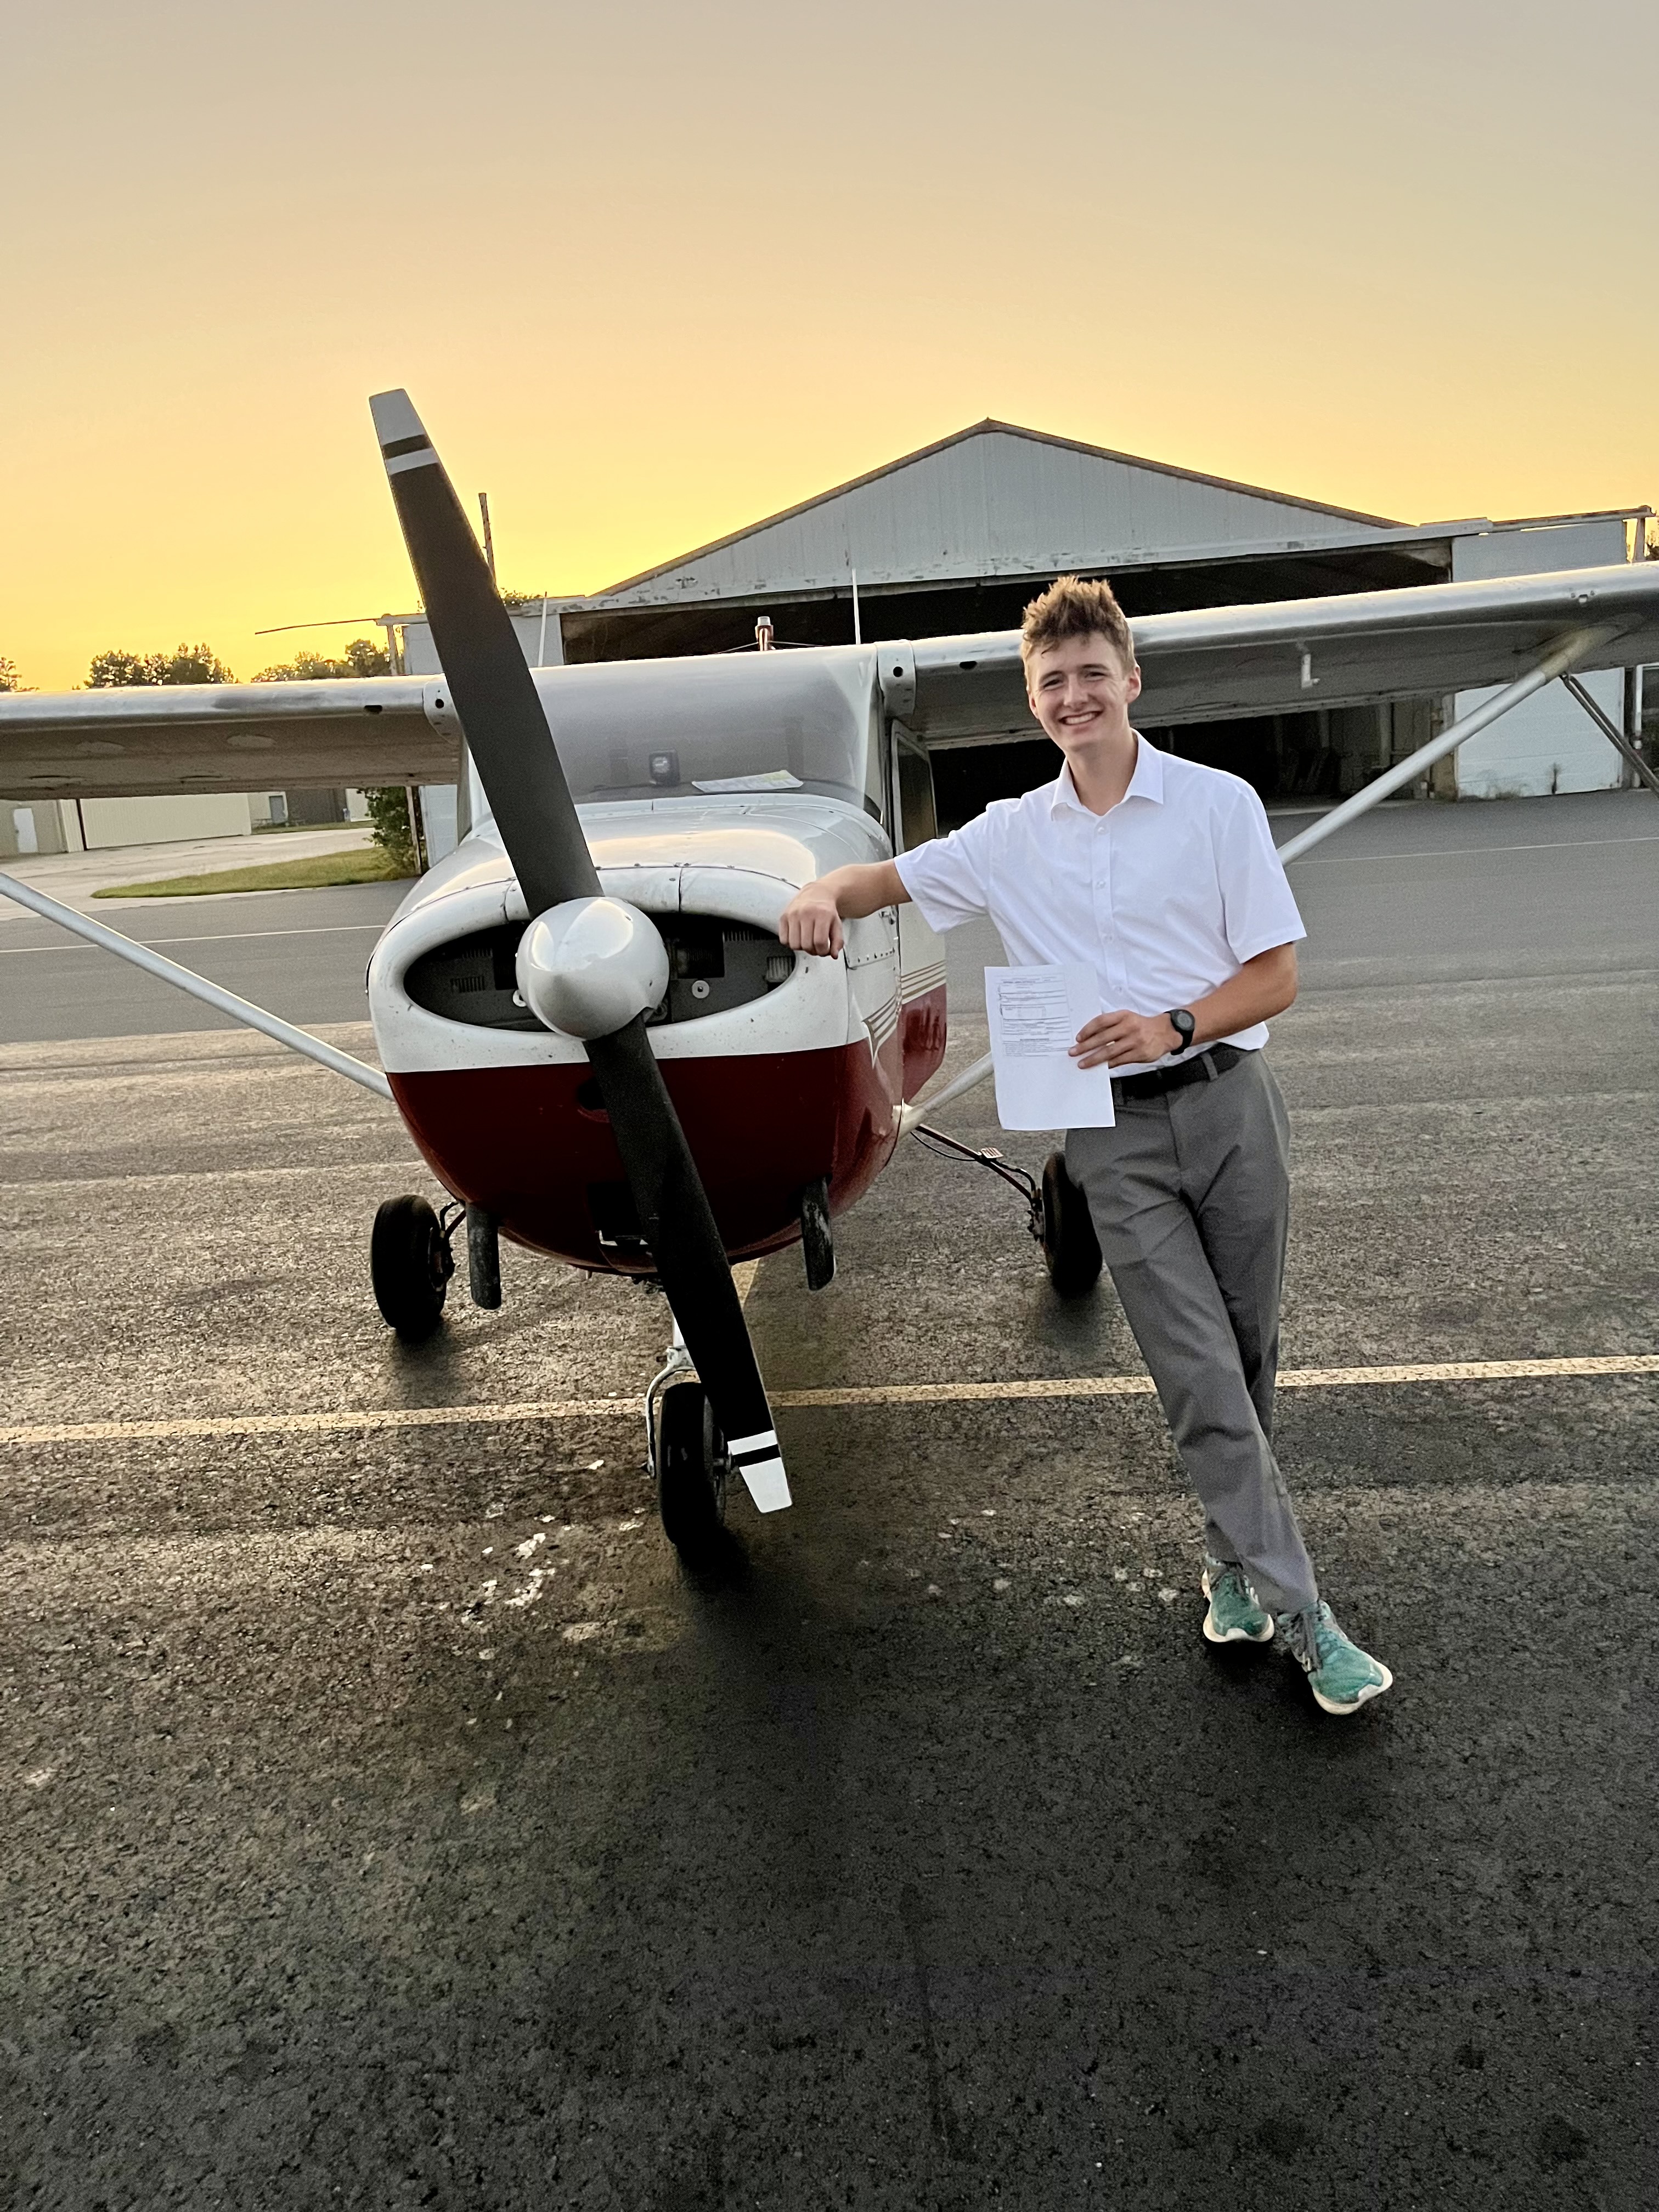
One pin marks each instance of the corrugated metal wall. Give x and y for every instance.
(993, 504)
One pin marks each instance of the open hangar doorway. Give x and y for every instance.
(1314, 758)
(823, 614)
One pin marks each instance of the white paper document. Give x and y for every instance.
(1036, 1014)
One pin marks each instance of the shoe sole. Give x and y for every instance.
(1231, 1635)
(1371, 1690)
(1236, 1635)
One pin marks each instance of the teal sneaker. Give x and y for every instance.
(1341, 1676)
(1234, 1616)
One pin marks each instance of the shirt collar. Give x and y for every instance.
(1147, 782)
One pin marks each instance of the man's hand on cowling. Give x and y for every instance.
(811, 923)
(1124, 1040)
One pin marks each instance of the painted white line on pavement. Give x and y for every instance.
(880, 1394)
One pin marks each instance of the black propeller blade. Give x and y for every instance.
(508, 733)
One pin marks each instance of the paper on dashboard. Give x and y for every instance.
(1036, 1014)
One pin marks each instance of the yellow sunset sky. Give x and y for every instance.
(651, 273)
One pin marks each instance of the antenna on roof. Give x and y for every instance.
(858, 632)
(764, 634)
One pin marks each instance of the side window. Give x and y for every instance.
(918, 819)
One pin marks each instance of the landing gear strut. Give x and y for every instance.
(484, 1259)
(1057, 1212)
(818, 1238)
(689, 1459)
(409, 1263)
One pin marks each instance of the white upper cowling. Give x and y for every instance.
(587, 967)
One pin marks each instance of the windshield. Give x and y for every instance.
(734, 723)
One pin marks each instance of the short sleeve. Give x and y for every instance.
(948, 877)
(1258, 908)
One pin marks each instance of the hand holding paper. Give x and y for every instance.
(1035, 1015)
(1111, 1040)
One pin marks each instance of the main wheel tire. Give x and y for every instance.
(691, 1470)
(1071, 1250)
(409, 1264)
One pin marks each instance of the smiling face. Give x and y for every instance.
(1081, 692)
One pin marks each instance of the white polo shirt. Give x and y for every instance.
(1165, 895)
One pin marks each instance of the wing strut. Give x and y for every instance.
(1556, 662)
(1611, 731)
(186, 979)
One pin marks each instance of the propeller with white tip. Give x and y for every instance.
(588, 966)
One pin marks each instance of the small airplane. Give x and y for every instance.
(584, 1015)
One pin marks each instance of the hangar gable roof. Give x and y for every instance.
(994, 499)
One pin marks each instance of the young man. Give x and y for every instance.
(1162, 877)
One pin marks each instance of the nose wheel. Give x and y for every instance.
(690, 1460)
(692, 1466)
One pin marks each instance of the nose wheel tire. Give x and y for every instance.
(1071, 1250)
(692, 1467)
(409, 1264)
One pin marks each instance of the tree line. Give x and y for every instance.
(118, 668)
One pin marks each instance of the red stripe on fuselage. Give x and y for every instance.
(761, 1128)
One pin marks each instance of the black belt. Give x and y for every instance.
(1204, 1067)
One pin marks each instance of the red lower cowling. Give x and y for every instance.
(515, 1140)
(921, 1032)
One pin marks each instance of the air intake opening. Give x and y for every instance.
(713, 964)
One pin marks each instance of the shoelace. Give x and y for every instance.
(1301, 1630)
(1223, 1571)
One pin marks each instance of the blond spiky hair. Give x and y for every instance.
(1075, 606)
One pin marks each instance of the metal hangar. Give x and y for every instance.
(958, 536)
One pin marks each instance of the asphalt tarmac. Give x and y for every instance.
(388, 1821)
(301, 954)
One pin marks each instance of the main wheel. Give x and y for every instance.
(1071, 1250)
(691, 1470)
(409, 1264)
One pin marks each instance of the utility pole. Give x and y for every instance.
(415, 828)
(490, 543)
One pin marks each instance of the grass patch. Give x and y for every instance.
(367, 865)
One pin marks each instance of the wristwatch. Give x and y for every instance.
(1184, 1025)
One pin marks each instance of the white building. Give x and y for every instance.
(87, 825)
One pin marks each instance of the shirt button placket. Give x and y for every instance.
(1110, 959)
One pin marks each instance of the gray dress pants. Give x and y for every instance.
(1190, 1197)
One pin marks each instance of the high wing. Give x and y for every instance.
(151, 739)
(1285, 656)
(1290, 655)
